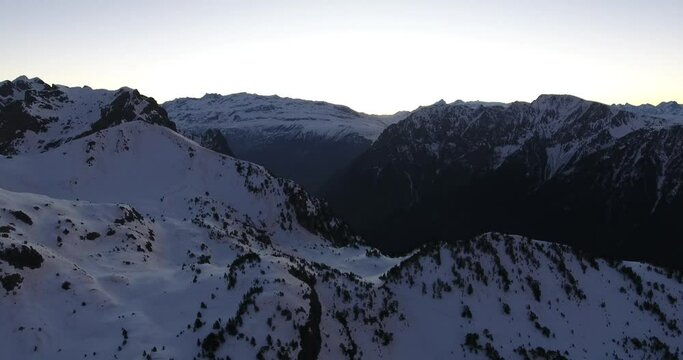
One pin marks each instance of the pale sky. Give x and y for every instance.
(374, 56)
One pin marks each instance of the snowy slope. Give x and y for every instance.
(512, 297)
(162, 173)
(147, 266)
(103, 281)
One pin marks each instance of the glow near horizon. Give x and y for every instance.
(374, 56)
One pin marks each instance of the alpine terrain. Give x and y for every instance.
(122, 239)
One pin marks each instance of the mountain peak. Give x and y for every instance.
(212, 96)
(477, 103)
(557, 102)
(24, 78)
(556, 99)
(668, 104)
(23, 82)
(436, 104)
(41, 109)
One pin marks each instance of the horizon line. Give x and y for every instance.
(163, 101)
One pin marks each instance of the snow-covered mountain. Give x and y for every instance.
(119, 279)
(668, 109)
(35, 116)
(307, 141)
(256, 112)
(559, 168)
(133, 241)
(153, 223)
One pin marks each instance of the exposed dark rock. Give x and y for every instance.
(122, 110)
(319, 219)
(22, 216)
(10, 282)
(309, 333)
(14, 123)
(20, 257)
(215, 140)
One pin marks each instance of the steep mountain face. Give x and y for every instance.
(212, 139)
(36, 117)
(559, 168)
(303, 140)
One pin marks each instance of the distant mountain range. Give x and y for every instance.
(121, 238)
(307, 141)
(670, 109)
